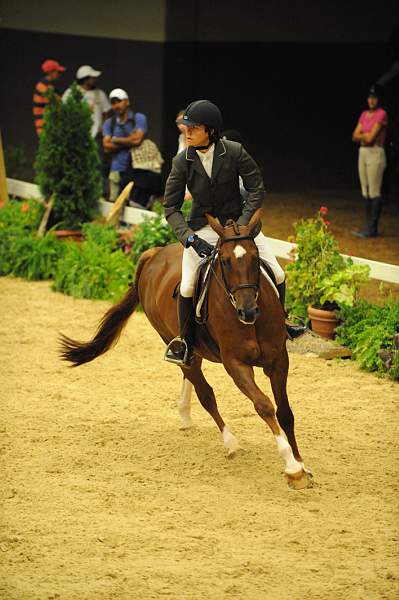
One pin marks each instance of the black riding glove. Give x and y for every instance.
(202, 247)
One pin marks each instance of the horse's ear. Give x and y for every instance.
(254, 220)
(215, 224)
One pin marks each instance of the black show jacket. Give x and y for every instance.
(219, 195)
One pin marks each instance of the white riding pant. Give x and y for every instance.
(191, 260)
(372, 163)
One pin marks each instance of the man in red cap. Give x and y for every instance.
(51, 69)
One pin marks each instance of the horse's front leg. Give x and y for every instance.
(278, 379)
(207, 398)
(243, 376)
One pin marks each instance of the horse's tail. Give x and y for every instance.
(110, 326)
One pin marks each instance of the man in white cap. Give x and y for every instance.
(121, 132)
(86, 78)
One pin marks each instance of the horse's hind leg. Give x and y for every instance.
(207, 398)
(184, 404)
(278, 378)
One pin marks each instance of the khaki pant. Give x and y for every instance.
(372, 163)
(114, 181)
(191, 260)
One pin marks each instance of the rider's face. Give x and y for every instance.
(197, 136)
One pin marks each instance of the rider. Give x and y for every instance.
(211, 168)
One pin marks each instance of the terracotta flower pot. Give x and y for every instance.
(68, 235)
(323, 321)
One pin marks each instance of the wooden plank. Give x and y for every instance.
(3, 179)
(281, 249)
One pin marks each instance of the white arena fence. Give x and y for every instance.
(132, 216)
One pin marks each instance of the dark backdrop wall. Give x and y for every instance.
(295, 102)
(133, 65)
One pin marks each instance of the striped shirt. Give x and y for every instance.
(40, 101)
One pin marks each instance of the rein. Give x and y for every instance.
(231, 291)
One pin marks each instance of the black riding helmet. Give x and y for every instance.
(203, 112)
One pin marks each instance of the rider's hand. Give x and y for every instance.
(202, 247)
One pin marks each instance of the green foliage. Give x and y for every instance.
(23, 215)
(35, 258)
(320, 275)
(151, 232)
(185, 209)
(67, 163)
(92, 270)
(366, 328)
(102, 235)
(18, 220)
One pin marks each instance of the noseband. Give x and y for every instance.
(241, 286)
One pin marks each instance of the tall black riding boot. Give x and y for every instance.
(376, 208)
(293, 331)
(180, 350)
(367, 231)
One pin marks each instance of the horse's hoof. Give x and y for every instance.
(299, 481)
(189, 424)
(234, 452)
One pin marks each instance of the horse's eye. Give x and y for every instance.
(226, 262)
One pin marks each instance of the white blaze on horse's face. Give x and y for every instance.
(239, 251)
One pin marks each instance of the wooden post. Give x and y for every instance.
(43, 223)
(115, 213)
(3, 181)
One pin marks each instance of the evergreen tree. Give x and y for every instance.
(67, 162)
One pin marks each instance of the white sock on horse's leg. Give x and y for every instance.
(184, 404)
(285, 451)
(230, 441)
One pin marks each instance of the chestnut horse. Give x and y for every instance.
(246, 322)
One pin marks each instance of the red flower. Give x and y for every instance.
(2, 203)
(327, 223)
(323, 210)
(25, 207)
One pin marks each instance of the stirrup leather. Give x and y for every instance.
(182, 356)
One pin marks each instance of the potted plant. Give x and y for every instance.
(321, 280)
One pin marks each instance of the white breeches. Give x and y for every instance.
(191, 260)
(372, 163)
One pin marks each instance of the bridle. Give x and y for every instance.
(241, 286)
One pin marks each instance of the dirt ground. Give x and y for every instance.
(104, 498)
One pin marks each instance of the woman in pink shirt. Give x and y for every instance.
(370, 133)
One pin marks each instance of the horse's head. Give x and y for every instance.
(239, 264)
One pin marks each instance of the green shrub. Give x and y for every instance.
(102, 235)
(67, 163)
(89, 270)
(18, 221)
(36, 258)
(367, 328)
(25, 215)
(151, 232)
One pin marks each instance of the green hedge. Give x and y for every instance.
(366, 329)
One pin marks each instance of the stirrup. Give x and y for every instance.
(182, 356)
(295, 331)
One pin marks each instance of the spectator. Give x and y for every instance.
(86, 78)
(370, 133)
(182, 142)
(121, 132)
(52, 70)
